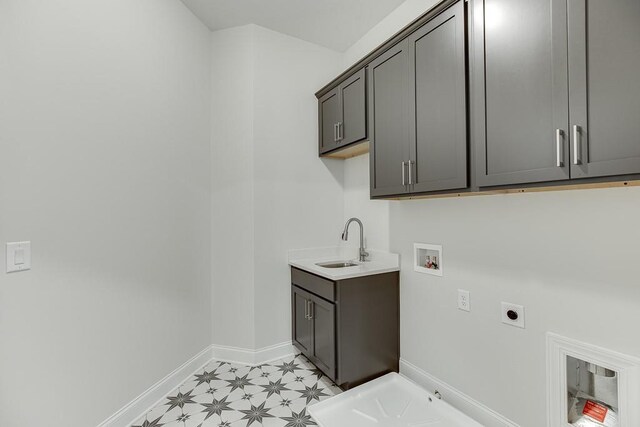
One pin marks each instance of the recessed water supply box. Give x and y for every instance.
(590, 386)
(427, 259)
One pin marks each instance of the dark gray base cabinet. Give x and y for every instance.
(349, 329)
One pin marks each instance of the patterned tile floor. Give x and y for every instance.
(229, 395)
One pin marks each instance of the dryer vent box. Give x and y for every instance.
(591, 386)
(592, 393)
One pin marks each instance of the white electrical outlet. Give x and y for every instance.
(513, 314)
(464, 301)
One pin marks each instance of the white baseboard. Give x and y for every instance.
(454, 397)
(157, 392)
(253, 357)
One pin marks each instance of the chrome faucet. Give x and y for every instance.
(345, 236)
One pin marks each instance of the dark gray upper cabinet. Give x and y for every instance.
(556, 90)
(604, 88)
(520, 89)
(437, 108)
(417, 110)
(343, 114)
(554, 98)
(389, 121)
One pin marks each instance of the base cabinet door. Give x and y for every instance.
(604, 88)
(301, 324)
(323, 320)
(520, 91)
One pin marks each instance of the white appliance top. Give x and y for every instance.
(389, 401)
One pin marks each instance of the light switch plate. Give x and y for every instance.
(18, 256)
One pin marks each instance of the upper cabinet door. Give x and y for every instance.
(437, 84)
(388, 78)
(353, 125)
(604, 91)
(329, 118)
(520, 91)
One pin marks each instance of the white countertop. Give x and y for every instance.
(378, 262)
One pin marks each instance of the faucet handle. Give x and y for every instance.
(363, 255)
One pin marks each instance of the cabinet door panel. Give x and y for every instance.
(301, 325)
(604, 91)
(329, 117)
(388, 120)
(438, 111)
(354, 109)
(324, 336)
(521, 91)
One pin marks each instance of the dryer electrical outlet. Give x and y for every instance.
(513, 314)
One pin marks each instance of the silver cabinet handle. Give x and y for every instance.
(310, 310)
(306, 309)
(335, 132)
(339, 131)
(559, 148)
(341, 127)
(410, 173)
(404, 178)
(576, 145)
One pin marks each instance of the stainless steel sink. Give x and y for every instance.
(337, 264)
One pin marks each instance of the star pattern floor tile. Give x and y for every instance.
(224, 394)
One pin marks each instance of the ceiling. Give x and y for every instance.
(336, 24)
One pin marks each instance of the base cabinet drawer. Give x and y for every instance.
(315, 284)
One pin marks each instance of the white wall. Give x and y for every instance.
(232, 229)
(373, 213)
(569, 257)
(298, 198)
(270, 191)
(105, 167)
